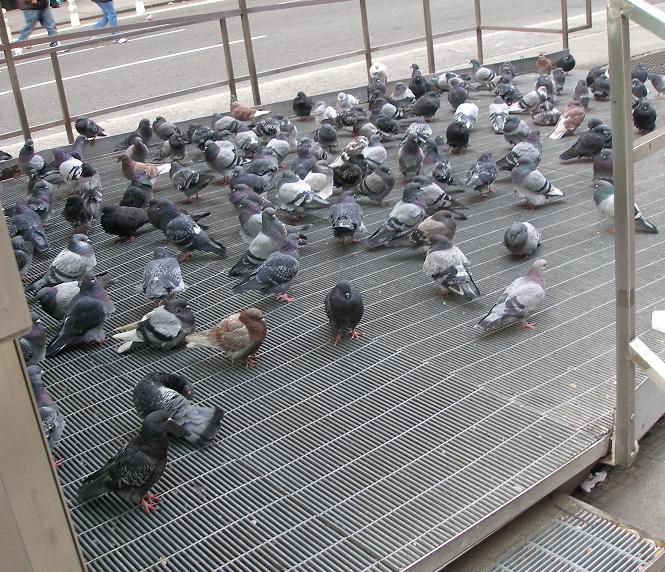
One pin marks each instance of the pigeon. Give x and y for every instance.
(33, 342)
(39, 199)
(406, 215)
(172, 394)
(482, 174)
(434, 197)
(457, 95)
(582, 93)
(221, 122)
(508, 67)
(638, 89)
(144, 131)
(571, 118)
(420, 128)
(601, 88)
(403, 97)
(173, 148)
(244, 113)
(644, 117)
(467, 114)
(322, 112)
(515, 130)
(94, 287)
(450, 269)
(53, 421)
(222, 157)
(77, 213)
(296, 196)
(320, 179)
(344, 308)
(123, 222)
(410, 156)
(248, 141)
(566, 63)
(347, 219)
(55, 300)
(28, 161)
(133, 470)
(239, 336)
(281, 147)
(188, 181)
(89, 186)
(546, 114)
(587, 146)
(508, 92)
(457, 137)
(23, 250)
(131, 168)
(519, 301)
(418, 84)
(69, 167)
(77, 148)
(483, 75)
(658, 83)
(162, 211)
(241, 192)
(289, 130)
(270, 239)
(379, 70)
(26, 223)
(521, 239)
(532, 185)
(543, 64)
(345, 101)
(350, 172)
(603, 166)
(436, 165)
(640, 73)
(163, 129)
(377, 185)
(375, 153)
(530, 101)
(88, 128)
(276, 273)
(441, 223)
(304, 161)
(4, 156)
(181, 229)
(164, 328)
(428, 104)
(603, 196)
(559, 77)
(549, 84)
(83, 323)
(162, 277)
(603, 129)
(326, 136)
(498, 113)
(138, 150)
(70, 264)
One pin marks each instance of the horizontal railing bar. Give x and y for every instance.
(649, 144)
(299, 65)
(580, 28)
(532, 30)
(646, 15)
(286, 5)
(420, 39)
(40, 127)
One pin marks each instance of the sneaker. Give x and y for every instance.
(18, 51)
(55, 44)
(120, 41)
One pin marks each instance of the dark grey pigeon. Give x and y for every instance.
(275, 275)
(344, 308)
(559, 77)
(162, 277)
(582, 93)
(83, 323)
(173, 148)
(304, 162)
(601, 88)
(639, 72)
(53, 421)
(377, 185)
(427, 105)
(457, 137)
(482, 174)
(162, 211)
(134, 470)
(78, 213)
(436, 165)
(603, 166)
(123, 222)
(410, 156)
(188, 181)
(326, 136)
(26, 223)
(644, 117)
(593, 73)
(638, 88)
(449, 268)
(347, 219)
(602, 128)
(70, 264)
(418, 84)
(521, 239)
(139, 192)
(164, 328)
(138, 150)
(163, 129)
(515, 130)
(566, 63)
(173, 393)
(302, 105)
(587, 146)
(23, 250)
(406, 215)
(33, 342)
(457, 96)
(40, 200)
(88, 128)
(144, 131)
(93, 287)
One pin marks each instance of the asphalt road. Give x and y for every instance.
(161, 62)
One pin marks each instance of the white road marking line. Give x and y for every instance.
(130, 64)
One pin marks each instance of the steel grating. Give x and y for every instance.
(580, 540)
(371, 454)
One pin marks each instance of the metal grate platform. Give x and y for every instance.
(374, 453)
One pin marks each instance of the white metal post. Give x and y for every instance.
(140, 7)
(74, 13)
(9, 30)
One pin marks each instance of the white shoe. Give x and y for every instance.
(55, 45)
(18, 51)
(120, 41)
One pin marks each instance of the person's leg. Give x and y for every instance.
(101, 23)
(31, 17)
(110, 13)
(47, 20)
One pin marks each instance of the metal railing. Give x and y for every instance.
(630, 350)
(84, 38)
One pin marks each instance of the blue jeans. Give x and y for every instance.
(108, 15)
(32, 17)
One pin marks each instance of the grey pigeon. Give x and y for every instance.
(377, 185)
(559, 77)
(521, 239)
(406, 215)
(519, 301)
(26, 223)
(547, 81)
(529, 101)
(162, 277)
(247, 141)
(410, 156)
(135, 468)
(28, 161)
(53, 421)
(441, 223)
(375, 153)
(23, 250)
(515, 130)
(658, 82)
(276, 273)
(241, 192)
(422, 131)
(163, 129)
(55, 300)
(582, 93)
(296, 196)
(320, 179)
(603, 196)
(603, 129)
(164, 328)
(40, 199)
(188, 181)
(326, 136)
(174, 148)
(83, 323)
(603, 166)
(530, 149)
(436, 165)
(93, 287)
(144, 131)
(281, 147)
(70, 264)
(639, 90)
(89, 186)
(434, 197)
(88, 128)
(509, 92)
(482, 174)
(601, 88)
(347, 219)
(587, 146)
(79, 214)
(138, 150)
(222, 157)
(498, 113)
(173, 393)
(450, 269)
(484, 75)
(344, 308)
(530, 184)
(428, 104)
(467, 114)
(304, 162)
(33, 342)
(639, 72)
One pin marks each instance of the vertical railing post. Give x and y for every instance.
(74, 18)
(479, 31)
(13, 79)
(588, 13)
(428, 36)
(227, 58)
(364, 21)
(62, 96)
(564, 24)
(623, 442)
(249, 51)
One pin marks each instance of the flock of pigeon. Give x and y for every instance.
(275, 178)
